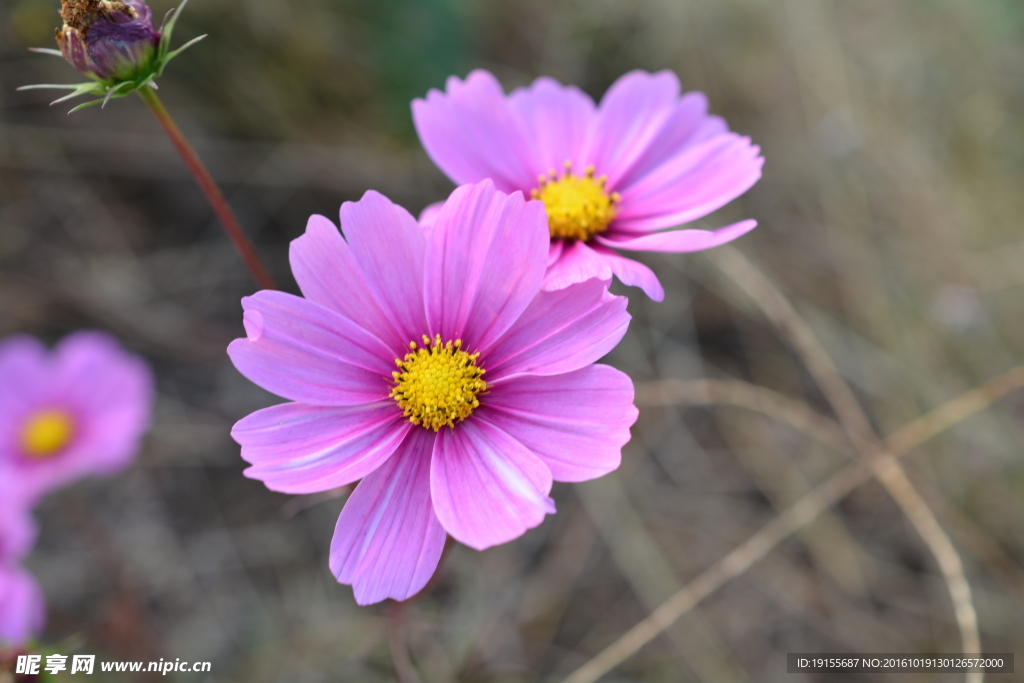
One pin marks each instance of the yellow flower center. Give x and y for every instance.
(46, 433)
(578, 207)
(437, 384)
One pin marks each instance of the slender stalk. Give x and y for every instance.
(209, 188)
(398, 636)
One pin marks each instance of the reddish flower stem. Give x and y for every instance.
(209, 188)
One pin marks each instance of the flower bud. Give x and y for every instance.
(108, 40)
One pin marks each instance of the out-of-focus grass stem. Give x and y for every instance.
(209, 187)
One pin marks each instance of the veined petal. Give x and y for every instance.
(470, 132)
(556, 120)
(688, 125)
(702, 178)
(308, 353)
(560, 331)
(629, 117)
(580, 261)
(389, 246)
(297, 448)
(679, 240)
(486, 257)
(487, 487)
(577, 423)
(328, 273)
(388, 540)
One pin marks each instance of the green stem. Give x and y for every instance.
(209, 188)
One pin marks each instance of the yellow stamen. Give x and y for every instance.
(578, 207)
(46, 433)
(438, 384)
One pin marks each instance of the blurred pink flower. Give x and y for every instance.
(430, 365)
(79, 410)
(610, 175)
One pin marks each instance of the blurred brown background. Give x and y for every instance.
(890, 213)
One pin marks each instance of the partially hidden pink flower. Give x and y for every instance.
(611, 176)
(22, 606)
(429, 364)
(21, 600)
(79, 410)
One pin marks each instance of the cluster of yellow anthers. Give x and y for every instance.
(578, 207)
(46, 433)
(438, 383)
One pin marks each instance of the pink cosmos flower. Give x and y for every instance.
(610, 175)
(78, 410)
(429, 364)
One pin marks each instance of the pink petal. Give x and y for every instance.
(556, 120)
(629, 117)
(688, 125)
(577, 423)
(560, 331)
(580, 261)
(388, 540)
(429, 214)
(487, 487)
(22, 606)
(329, 273)
(296, 448)
(17, 527)
(680, 240)
(308, 353)
(699, 180)
(470, 132)
(24, 368)
(485, 260)
(389, 246)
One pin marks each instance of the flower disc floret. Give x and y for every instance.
(438, 383)
(47, 433)
(578, 207)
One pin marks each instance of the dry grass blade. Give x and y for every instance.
(890, 474)
(803, 512)
(744, 395)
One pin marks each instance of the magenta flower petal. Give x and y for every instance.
(487, 487)
(388, 540)
(560, 331)
(693, 184)
(688, 125)
(629, 118)
(473, 134)
(557, 119)
(389, 246)
(24, 371)
(310, 354)
(94, 401)
(17, 528)
(296, 448)
(22, 606)
(577, 441)
(485, 261)
(580, 261)
(328, 273)
(680, 240)
(429, 214)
